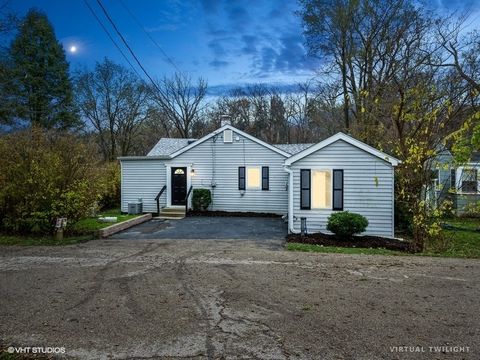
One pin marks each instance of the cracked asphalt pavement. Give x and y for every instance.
(228, 299)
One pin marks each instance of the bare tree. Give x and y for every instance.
(115, 103)
(370, 44)
(180, 101)
(460, 52)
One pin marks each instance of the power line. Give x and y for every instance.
(128, 46)
(132, 15)
(110, 37)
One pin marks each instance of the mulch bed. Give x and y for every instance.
(357, 241)
(231, 214)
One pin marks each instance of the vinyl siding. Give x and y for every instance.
(143, 179)
(217, 162)
(361, 194)
(466, 200)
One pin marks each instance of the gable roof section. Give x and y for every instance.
(293, 148)
(341, 136)
(230, 127)
(167, 146)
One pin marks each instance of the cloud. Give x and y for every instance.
(250, 43)
(218, 63)
(264, 36)
(226, 89)
(210, 6)
(239, 18)
(286, 55)
(163, 27)
(217, 48)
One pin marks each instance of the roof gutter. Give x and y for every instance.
(132, 158)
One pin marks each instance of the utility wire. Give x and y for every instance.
(110, 37)
(128, 46)
(132, 15)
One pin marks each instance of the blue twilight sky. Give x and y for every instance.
(226, 42)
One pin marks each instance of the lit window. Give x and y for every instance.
(254, 178)
(179, 172)
(321, 189)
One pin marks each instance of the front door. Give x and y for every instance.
(179, 185)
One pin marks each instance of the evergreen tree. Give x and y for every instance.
(42, 93)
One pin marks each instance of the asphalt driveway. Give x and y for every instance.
(213, 299)
(263, 230)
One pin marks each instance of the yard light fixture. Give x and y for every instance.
(192, 172)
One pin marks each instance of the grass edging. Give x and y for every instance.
(115, 228)
(293, 246)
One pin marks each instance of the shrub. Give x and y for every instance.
(471, 210)
(201, 199)
(45, 175)
(111, 186)
(346, 224)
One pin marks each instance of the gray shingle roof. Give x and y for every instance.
(292, 148)
(167, 146)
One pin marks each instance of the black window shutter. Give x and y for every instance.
(453, 179)
(305, 189)
(265, 178)
(241, 178)
(337, 189)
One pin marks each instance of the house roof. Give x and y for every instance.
(348, 139)
(167, 146)
(244, 134)
(293, 148)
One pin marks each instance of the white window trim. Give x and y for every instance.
(330, 205)
(247, 185)
(460, 175)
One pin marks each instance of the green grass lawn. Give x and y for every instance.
(465, 244)
(343, 250)
(461, 244)
(82, 231)
(31, 240)
(89, 225)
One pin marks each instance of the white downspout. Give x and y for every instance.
(291, 230)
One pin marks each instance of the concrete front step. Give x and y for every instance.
(176, 209)
(172, 213)
(165, 217)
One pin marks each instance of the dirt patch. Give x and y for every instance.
(356, 242)
(231, 214)
(233, 299)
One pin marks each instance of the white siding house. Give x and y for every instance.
(245, 174)
(366, 187)
(457, 183)
(142, 179)
(216, 162)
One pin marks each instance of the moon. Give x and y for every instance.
(73, 49)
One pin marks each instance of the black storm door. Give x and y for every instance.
(179, 185)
